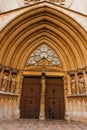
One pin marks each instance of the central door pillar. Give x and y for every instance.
(42, 100)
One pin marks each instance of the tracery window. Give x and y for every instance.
(43, 51)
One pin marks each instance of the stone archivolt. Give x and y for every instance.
(44, 23)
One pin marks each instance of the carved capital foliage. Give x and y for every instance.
(79, 71)
(71, 72)
(7, 69)
(14, 71)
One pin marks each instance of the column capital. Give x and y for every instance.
(7, 69)
(14, 71)
(79, 71)
(71, 72)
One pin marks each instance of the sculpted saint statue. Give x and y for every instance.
(81, 85)
(43, 80)
(13, 84)
(5, 82)
(73, 85)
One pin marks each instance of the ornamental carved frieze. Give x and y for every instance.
(39, 68)
(65, 3)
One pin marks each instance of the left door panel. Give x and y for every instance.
(30, 98)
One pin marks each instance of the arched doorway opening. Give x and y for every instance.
(43, 96)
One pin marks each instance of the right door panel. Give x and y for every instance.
(54, 98)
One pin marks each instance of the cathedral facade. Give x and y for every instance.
(43, 61)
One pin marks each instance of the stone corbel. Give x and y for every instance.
(79, 71)
(71, 73)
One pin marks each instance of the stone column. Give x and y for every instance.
(85, 77)
(69, 84)
(1, 75)
(42, 100)
(77, 78)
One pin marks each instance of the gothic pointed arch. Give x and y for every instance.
(44, 22)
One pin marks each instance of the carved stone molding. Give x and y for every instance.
(8, 94)
(71, 72)
(7, 69)
(79, 71)
(77, 96)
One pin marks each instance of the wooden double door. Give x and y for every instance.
(54, 98)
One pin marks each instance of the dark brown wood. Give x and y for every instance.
(30, 99)
(54, 98)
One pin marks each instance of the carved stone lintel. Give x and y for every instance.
(14, 71)
(71, 72)
(1, 67)
(79, 71)
(7, 69)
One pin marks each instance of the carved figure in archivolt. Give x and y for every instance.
(5, 82)
(73, 85)
(81, 85)
(13, 84)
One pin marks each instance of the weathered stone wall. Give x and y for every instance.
(9, 93)
(76, 106)
(62, 30)
(8, 106)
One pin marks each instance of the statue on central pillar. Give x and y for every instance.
(43, 90)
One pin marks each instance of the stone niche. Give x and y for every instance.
(9, 98)
(77, 102)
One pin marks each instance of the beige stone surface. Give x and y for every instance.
(62, 30)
